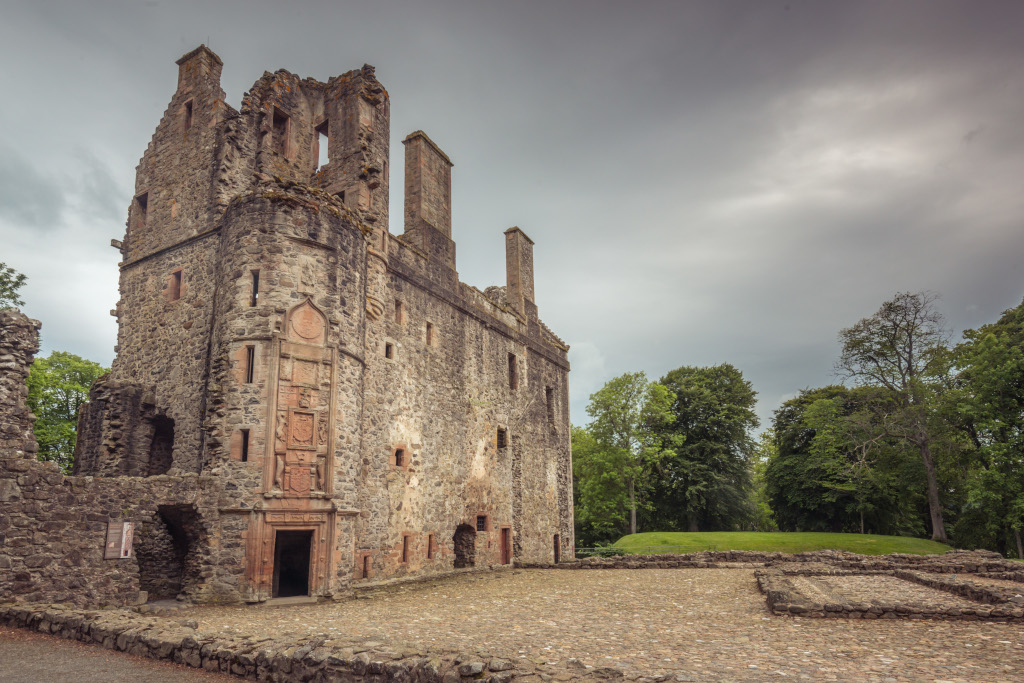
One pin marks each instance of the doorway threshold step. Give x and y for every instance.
(291, 601)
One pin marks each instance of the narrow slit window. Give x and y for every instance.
(366, 566)
(174, 288)
(502, 437)
(188, 115)
(481, 522)
(430, 546)
(254, 296)
(141, 207)
(245, 445)
(405, 549)
(281, 131)
(513, 372)
(250, 363)
(430, 334)
(399, 312)
(549, 397)
(389, 350)
(399, 457)
(323, 142)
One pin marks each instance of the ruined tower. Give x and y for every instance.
(343, 407)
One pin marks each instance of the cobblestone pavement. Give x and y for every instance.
(876, 590)
(691, 624)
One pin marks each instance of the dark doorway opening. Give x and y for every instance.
(291, 563)
(166, 551)
(506, 545)
(161, 447)
(465, 546)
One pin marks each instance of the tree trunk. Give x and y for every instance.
(632, 509)
(862, 521)
(934, 506)
(1020, 548)
(691, 524)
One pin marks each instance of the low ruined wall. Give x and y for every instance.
(280, 660)
(53, 528)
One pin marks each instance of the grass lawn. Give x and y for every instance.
(787, 542)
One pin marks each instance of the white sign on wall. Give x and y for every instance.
(119, 540)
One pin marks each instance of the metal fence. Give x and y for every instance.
(614, 551)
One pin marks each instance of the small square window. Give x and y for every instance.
(502, 437)
(389, 350)
(481, 522)
(400, 457)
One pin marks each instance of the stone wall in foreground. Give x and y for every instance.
(53, 528)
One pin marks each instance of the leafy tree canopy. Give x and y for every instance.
(57, 387)
(10, 282)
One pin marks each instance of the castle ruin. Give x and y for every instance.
(300, 399)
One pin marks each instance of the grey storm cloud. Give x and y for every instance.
(27, 197)
(706, 182)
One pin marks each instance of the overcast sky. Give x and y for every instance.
(706, 182)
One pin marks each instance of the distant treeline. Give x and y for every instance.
(923, 438)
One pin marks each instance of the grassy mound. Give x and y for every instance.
(780, 541)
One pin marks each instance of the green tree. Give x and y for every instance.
(902, 350)
(600, 498)
(57, 387)
(704, 482)
(10, 282)
(627, 415)
(763, 518)
(992, 405)
(832, 469)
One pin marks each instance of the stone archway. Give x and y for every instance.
(465, 546)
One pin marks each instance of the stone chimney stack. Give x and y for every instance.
(519, 271)
(200, 66)
(428, 198)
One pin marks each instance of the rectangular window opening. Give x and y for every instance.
(430, 334)
(405, 549)
(366, 566)
(481, 522)
(399, 312)
(245, 445)
(281, 128)
(174, 292)
(188, 115)
(340, 196)
(399, 457)
(141, 206)
(389, 350)
(254, 296)
(549, 397)
(323, 142)
(430, 546)
(513, 372)
(250, 363)
(502, 437)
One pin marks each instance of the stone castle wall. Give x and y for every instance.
(309, 377)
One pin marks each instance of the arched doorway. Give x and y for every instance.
(465, 546)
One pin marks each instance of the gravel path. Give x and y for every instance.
(695, 624)
(29, 657)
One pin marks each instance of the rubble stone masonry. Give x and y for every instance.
(301, 399)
